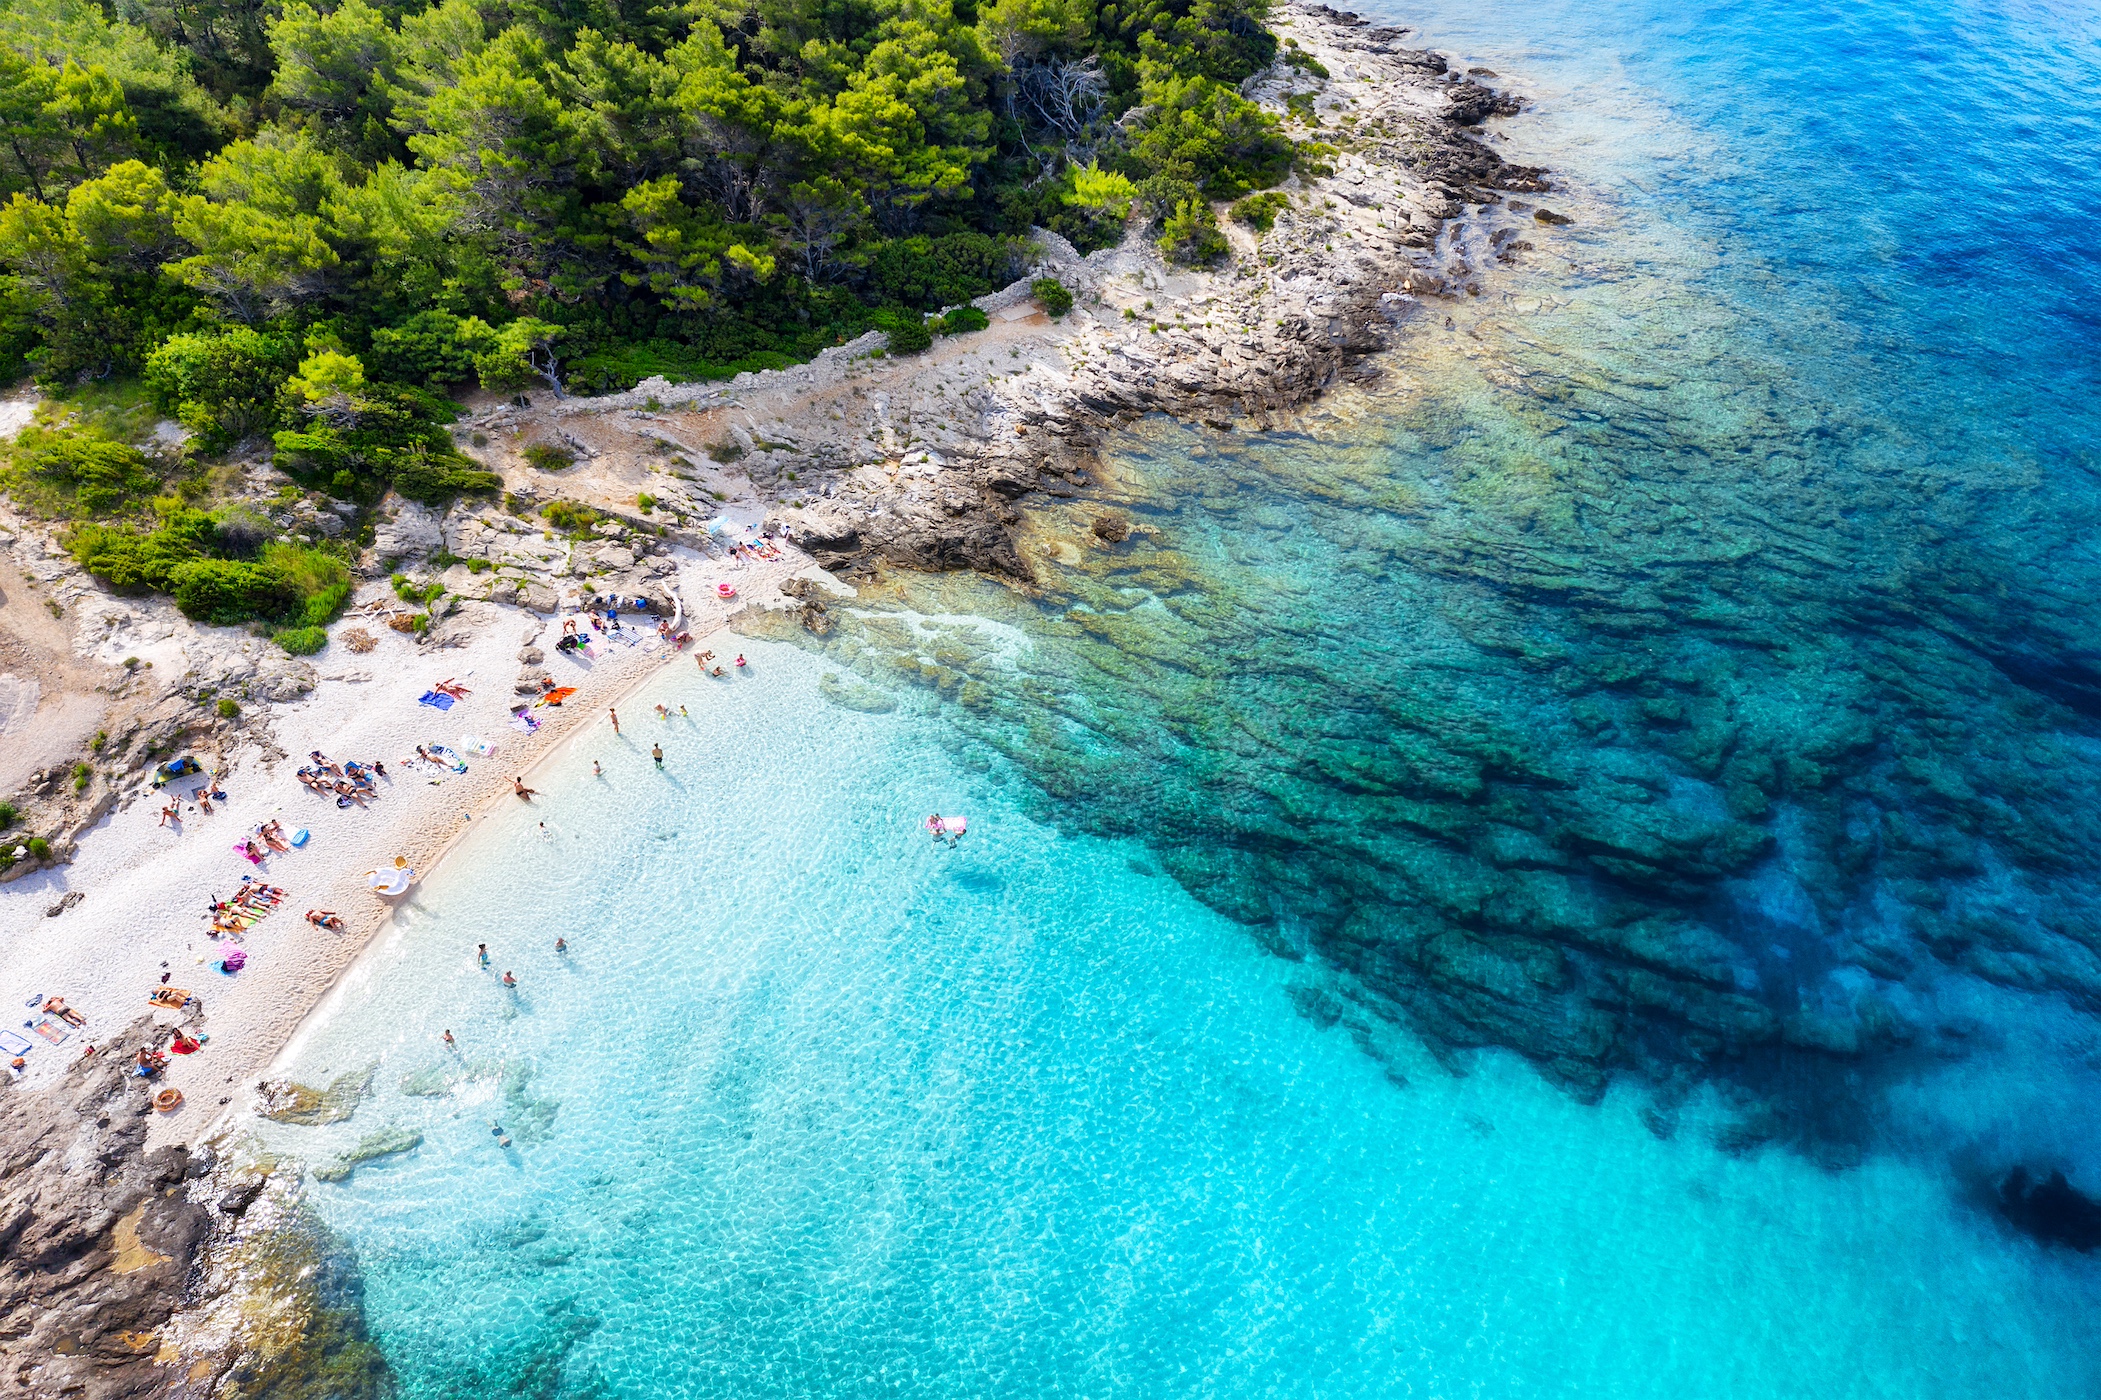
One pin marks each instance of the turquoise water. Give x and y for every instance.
(1571, 872)
(813, 1108)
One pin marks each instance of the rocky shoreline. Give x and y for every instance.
(926, 462)
(126, 1271)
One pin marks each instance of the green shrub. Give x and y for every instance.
(302, 641)
(1052, 295)
(227, 709)
(221, 386)
(926, 272)
(39, 848)
(8, 812)
(424, 349)
(477, 566)
(1191, 236)
(548, 456)
(962, 320)
(67, 472)
(82, 776)
(570, 517)
(227, 591)
(1259, 211)
(1305, 62)
(645, 502)
(435, 483)
(907, 333)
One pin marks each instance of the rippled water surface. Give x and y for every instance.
(1679, 671)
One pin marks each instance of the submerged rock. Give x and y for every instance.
(387, 1142)
(285, 1101)
(2052, 1210)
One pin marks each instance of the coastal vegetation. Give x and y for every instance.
(312, 220)
(310, 224)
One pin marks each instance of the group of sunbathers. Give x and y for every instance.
(253, 901)
(203, 796)
(348, 783)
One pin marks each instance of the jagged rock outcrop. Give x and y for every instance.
(97, 1235)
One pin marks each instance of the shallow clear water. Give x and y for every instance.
(810, 1107)
(1712, 593)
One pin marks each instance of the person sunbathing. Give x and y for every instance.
(251, 850)
(172, 813)
(269, 833)
(56, 1006)
(569, 627)
(183, 1045)
(324, 918)
(346, 792)
(146, 1064)
(203, 798)
(451, 687)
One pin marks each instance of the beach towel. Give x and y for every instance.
(451, 759)
(235, 961)
(436, 699)
(52, 1031)
(173, 998)
(524, 723)
(478, 746)
(557, 695)
(242, 847)
(14, 1044)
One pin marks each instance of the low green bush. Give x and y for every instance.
(962, 320)
(548, 456)
(569, 517)
(1259, 211)
(1052, 295)
(1191, 235)
(302, 641)
(906, 331)
(39, 848)
(227, 709)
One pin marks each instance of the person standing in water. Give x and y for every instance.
(596, 771)
(561, 944)
(481, 951)
(616, 718)
(656, 751)
(508, 980)
(450, 1041)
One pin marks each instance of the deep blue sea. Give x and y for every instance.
(1720, 579)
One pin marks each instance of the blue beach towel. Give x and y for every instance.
(437, 700)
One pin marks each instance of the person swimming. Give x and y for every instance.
(561, 945)
(450, 1041)
(508, 980)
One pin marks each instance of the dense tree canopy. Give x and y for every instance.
(230, 197)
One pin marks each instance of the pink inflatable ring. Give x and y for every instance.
(724, 590)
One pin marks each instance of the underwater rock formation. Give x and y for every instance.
(2052, 1210)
